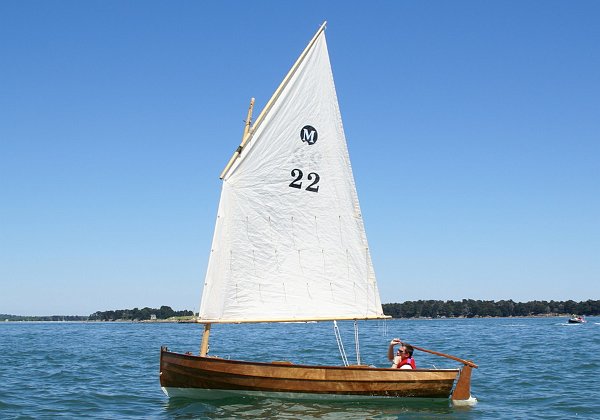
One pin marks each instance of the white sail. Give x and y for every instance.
(289, 241)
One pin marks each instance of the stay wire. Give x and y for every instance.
(338, 339)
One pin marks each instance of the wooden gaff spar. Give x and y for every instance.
(290, 245)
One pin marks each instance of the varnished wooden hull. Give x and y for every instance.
(208, 377)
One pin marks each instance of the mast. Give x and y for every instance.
(204, 344)
(206, 333)
(238, 151)
(248, 134)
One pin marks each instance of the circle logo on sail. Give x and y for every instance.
(309, 134)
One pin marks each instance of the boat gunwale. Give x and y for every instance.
(278, 364)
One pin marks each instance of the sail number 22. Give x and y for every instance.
(312, 177)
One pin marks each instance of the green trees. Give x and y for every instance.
(467, 308)
(488, 308)
(136, 314)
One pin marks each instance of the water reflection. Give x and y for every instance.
(266, 408)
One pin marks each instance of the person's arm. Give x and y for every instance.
(390, 354)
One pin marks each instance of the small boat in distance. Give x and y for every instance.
(576, 319)
(290, 246)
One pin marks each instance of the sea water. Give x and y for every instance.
(528, 367)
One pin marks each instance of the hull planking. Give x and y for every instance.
(212, 378)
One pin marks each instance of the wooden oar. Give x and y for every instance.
(465, 362)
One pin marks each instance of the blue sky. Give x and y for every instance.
(473, 128)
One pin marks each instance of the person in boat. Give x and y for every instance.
(403, 358)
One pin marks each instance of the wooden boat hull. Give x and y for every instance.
(209, 378)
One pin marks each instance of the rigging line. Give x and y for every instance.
(338, 339)
(356, 342)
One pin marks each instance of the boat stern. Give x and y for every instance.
(462, 391)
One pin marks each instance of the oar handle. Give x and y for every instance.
(437, 353)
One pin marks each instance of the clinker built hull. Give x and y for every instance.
(182, 374)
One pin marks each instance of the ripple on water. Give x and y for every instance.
(110, 370)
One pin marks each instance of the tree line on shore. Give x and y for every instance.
(469, 308)
(466, 308)
(135, 314)
(56, 318)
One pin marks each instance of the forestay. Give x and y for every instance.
(289, 241)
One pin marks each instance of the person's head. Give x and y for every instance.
(406, 351)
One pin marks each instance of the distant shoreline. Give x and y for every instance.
(420, 309)
(194, 321)
(93, 321)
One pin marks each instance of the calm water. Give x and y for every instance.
(529, 368)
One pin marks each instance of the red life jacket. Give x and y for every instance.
(410, 361)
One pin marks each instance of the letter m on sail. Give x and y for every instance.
(309, 134)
